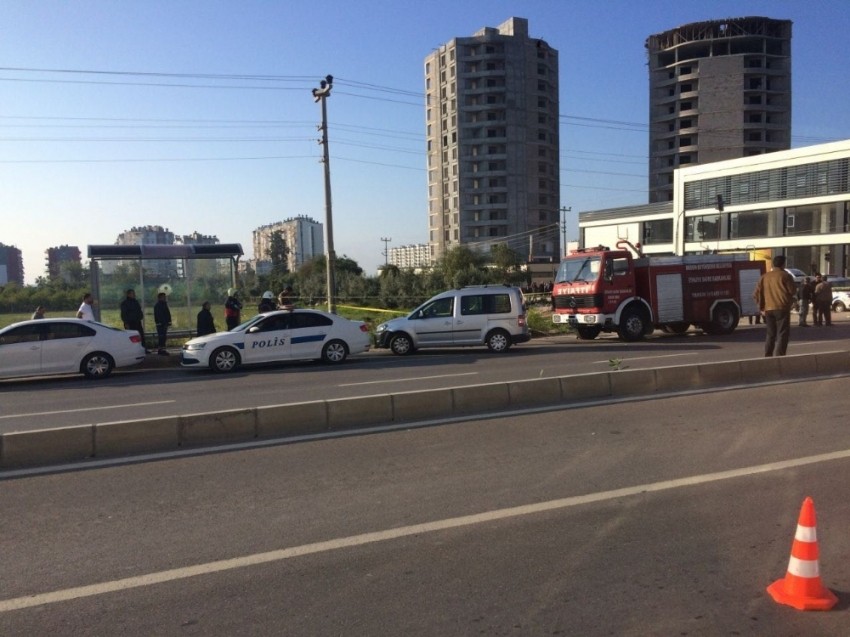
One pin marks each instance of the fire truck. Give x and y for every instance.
(602, 290)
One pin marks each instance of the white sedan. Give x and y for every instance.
(65, 346)
(279, 336)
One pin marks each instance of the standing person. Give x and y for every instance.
(284, 299)
(266, 303)
(39, 313)
(823, 302)
(162, 317)
(232, 310)
(86, 312)
(206, 323)
(132, 315)
(807, 290)
(774, 295)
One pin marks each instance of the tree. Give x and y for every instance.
(277, 252)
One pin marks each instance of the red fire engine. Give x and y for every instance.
(603, 290)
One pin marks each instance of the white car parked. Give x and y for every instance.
(66, 346)
(283, 335)
(840, 301)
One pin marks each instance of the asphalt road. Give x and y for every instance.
(657, 517)
(169, 390)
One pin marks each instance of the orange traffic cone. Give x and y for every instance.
(801, 588)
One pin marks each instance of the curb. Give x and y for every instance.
(23, 449)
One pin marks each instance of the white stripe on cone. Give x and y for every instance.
(803, 568)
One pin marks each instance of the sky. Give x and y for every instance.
(198, 115)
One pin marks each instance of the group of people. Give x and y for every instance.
(775, 295)
(816, 294)
(132, 316)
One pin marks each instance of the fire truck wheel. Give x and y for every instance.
(633, 324)
(498, 341)
(724, 320)
(588, 332)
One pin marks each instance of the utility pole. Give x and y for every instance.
(386, 241)
(321, 95)
(565, 210)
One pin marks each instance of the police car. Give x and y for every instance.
(285, 335)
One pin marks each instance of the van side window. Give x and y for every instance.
(499, 304)
(473, 304)
(439, 308)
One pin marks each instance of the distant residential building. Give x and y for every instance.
(411, 256)
(302, 236)
(11, 265)
(58, 260)
(719, 89)
(148, 235)
(492, 135)
(200, 268)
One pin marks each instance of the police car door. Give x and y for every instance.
(310, 331)
(268, 340)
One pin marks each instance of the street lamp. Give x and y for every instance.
(321, 95)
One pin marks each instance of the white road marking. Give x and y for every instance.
(71, 411)
(219, 566)
(406, 380)
(638, 358)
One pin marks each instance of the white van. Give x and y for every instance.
(491, 315)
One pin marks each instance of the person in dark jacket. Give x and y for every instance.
(206, 323)
(162, 317)
(132, 315)
(267, 303)
(232, 310)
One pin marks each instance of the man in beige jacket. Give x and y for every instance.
(774, 295)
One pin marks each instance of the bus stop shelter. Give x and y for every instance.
(187, 273)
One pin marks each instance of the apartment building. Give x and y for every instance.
(492, 142)
(302, 235)
(719, 89)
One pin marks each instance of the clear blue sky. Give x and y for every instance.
(84, 156)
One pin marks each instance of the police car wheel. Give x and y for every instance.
(334, 352)
(224, 359)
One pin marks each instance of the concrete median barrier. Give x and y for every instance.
(47, 446)
(71, 444)
(131, 436)
(295, 419)
(215, 428)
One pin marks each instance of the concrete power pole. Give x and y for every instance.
(321, 95)
(386, 241)
(565, 210)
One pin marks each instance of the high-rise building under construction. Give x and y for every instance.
(718, 90)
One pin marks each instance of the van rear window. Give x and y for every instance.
(485, 304)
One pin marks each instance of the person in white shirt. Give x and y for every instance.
(86, 312)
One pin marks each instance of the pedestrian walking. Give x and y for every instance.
(162, 318)
(774, 295)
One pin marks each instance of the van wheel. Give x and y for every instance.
(401, 345)
(633, 324)
(499, 341)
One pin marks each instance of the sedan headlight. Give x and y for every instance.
(194, 347)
